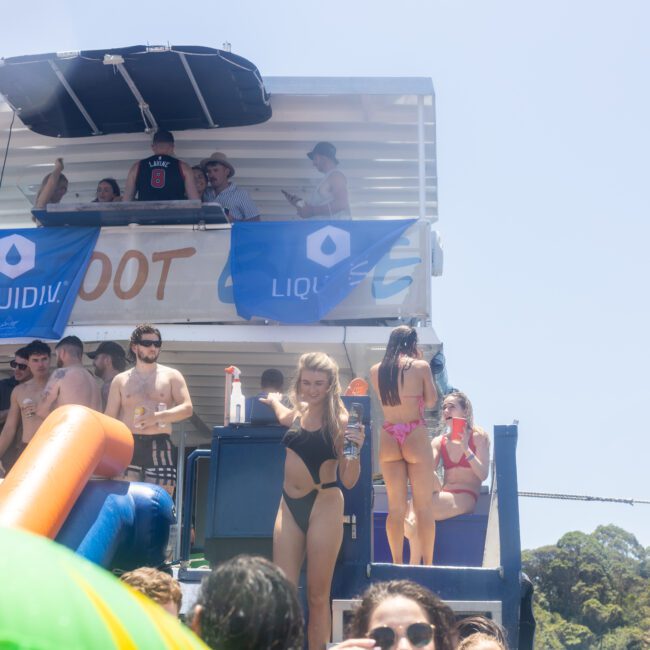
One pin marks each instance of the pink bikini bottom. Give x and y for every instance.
(400, 430)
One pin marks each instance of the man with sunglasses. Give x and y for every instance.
(148, 399)
(23, 404)
(70, 383)
(21, 373)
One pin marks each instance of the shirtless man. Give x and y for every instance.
(70, 383)
(134, 398)
(24, 399)
(21, 373)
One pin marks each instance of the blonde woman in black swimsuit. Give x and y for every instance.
(310, 517)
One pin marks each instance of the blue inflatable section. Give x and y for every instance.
(117, 524)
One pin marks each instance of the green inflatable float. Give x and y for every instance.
(53, 599)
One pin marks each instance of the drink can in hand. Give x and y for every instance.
(161, 406)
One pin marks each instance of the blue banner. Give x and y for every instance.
(297, 271)
(41, 270)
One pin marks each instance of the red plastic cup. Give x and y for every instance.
(457, 428)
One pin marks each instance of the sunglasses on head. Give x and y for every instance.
(19, 366)
(148, 344)
(419, 634)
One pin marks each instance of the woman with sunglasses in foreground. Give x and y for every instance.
(401, 614)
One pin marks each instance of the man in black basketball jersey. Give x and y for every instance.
(161, 177)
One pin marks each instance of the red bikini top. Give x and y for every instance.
(463, 462)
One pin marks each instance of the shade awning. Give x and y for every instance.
(130, 90)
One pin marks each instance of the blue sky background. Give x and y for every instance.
(542, 111)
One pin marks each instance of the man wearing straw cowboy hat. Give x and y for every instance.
(237, 202)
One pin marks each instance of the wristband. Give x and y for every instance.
(470, 456)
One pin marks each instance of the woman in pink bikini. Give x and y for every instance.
(466, 463)
(405, 386)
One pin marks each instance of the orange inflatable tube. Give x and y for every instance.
(72, 444)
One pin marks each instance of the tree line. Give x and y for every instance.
(591, 591)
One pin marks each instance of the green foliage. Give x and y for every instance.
(591, 591)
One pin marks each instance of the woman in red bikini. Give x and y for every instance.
(466, 464)
(405, 386)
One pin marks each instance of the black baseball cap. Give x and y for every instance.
(112, 349)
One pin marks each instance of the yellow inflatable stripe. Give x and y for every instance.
(165, 623)
(120, 635)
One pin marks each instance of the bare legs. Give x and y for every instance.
(321, 544)
(445, 506)
(413, 460)
(411, 533)
(395, 477)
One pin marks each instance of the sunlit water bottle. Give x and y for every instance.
(161, 406)
(350, 448)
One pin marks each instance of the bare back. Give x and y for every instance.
(418, 387)
(79, 387)
(71, 385)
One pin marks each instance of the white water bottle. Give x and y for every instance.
(237, 403)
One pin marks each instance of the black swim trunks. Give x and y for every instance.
(154, 457)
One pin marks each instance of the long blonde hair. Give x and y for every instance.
(321, 362)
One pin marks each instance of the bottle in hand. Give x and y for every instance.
(350, 448)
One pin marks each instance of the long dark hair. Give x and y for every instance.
(403, 341)
(437, 612)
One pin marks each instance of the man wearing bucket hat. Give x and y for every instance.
(330, 198)
(109, 359)
(237, 202)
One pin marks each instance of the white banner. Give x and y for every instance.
(167, 275)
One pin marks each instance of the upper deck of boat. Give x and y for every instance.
(383, 128)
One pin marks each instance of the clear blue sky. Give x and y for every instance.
(543, 136)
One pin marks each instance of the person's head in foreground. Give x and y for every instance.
(247, 603)
(481, 641)
(158, 586)
(473, 625)
(403, 614)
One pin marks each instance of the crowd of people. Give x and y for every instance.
(249, 603)
(164, 177)
(149, 397)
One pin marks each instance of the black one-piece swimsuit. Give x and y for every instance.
(313, 448)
